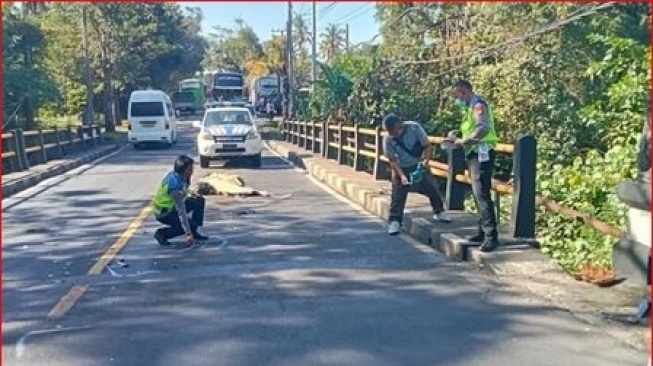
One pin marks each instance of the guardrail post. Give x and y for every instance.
(379, 172)
(298, 132)
(313, 137)
(80, 135)
(325, 140)
(100, 134)
(522, 217)
(341, 142)
(455, 195)
(14, 164)
(302, 134)
(71, 138)
(57, 140)
(91, 132)
(286, 133)
(358, 137)
(21, 154)
(44, 154)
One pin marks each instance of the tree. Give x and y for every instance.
(232, 48)
(332, 44)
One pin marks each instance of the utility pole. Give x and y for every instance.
(89, 111)
(347, 37)
(314, 47)
(290, 52)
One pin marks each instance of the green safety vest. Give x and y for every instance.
(469, 123)
(162, 200)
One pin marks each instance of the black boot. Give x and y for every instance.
(489, 245)
(199, 236)
(158, 235)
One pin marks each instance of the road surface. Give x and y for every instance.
(298, 278)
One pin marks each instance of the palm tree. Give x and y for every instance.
(332, 44)
(301, 41)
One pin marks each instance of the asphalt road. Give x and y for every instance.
(298, 278)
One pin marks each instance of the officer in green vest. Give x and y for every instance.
(172, 205)
(479, 139)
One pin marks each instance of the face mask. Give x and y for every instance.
(461, 103)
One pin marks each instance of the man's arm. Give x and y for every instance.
(423, 139)
(390, 153)
(482, 128)
(180, 205)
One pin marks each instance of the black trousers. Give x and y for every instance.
(481, 176)
(428, 187)
(194, 206)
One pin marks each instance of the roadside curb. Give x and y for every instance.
(439, 238)
(11, 188)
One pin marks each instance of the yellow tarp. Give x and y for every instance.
(226, 185)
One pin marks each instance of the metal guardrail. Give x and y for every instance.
(24, 149)
(354, 145)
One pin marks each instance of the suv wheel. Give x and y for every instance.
(204, 161)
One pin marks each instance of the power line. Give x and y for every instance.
(324, 11)
(515, 40)
(392, 22)
(353, 15)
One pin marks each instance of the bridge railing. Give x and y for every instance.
(362, 148)
(24, 149)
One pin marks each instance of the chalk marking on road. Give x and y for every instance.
(67, 301)
(404, 237)
(20, 344)
(122, 275)
(121, 242)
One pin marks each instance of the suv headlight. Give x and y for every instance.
(253, 135)
(206, 136)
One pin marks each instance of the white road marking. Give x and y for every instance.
(20, 344)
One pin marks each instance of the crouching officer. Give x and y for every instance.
(172, 205)
(479, 140)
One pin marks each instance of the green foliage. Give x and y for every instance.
(130, 46)
(580, 89)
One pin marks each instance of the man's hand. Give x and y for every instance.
(404, 180)
(460, 142)
(190, 239)
(453, 135)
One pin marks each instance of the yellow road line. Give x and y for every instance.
(68, 301)
(120, 243)
(75, 293)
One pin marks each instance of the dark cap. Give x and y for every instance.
(182, 163)
(391, 121)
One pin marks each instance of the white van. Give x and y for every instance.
(151, 118)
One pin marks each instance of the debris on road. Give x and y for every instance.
(226, 185)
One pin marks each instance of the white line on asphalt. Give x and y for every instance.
(404, 237)
(20, 344)
(137, 274)
(32, 192)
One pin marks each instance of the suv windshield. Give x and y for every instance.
(215, 118)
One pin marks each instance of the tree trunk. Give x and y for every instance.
(116, 108)
(108, 97)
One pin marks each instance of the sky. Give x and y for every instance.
(264, 17)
